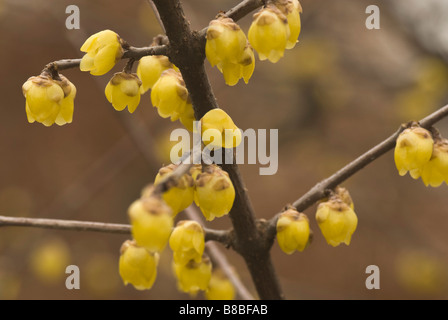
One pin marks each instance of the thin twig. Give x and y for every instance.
(319, 191)
(74, 225)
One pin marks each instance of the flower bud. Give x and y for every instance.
(413, 150)
(193, 276)
(435, 171)
(170, 95)
(138, 266)
(337, 221)
(293, 231)
(124, 90)
(214, 192)
(49, 101)
(292, 10)
(219, 287)
(187, 242)
(103, 50)
(179, 196)
(227, 48)
(149, 70)
(152, 223)
(219, 130)
(269, 33)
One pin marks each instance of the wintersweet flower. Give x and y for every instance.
(103, 50)
(293, 231)
(124, 90)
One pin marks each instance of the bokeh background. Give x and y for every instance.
(342, 90)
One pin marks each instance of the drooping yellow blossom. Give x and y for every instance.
(228, 49)
(293, 231)
(219, 287)
(149, 70)
(219, 130)
(269, 33)
(187, 242)
(292, 10)
(214, 192)
(170, 95)
(49, 101)
(193, 276)
(152, 222)
(103, 50)
(413, 150)
(138, 266)
(337, 221)
(124, 90)
(435, 171)
(187, 118)
(179, 195)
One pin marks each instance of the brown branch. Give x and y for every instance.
(320, 190)
(187, 52)
(74, 225)
(131, 53)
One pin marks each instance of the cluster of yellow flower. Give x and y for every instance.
(423, 154)
(152, 220)
(335, 217)
(276, 27)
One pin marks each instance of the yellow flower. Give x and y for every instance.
(337, 221)
(293, 231)
(219, 131)
(214, 192)
(187, 118)
(151, 222)
(193, 276)
(149, 70)
(49, 260)
(49, 101)
(187, 242)
(435, 171)
(138, 266)
(124, 90)
(292, 10)
(170, 95)
(179, 196)
(413, 150)
(227, 48)
(103, 51)
(219, 287)
(269, 33)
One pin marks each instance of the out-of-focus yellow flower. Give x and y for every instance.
(228, 49)
(103, 50)
(421, 273)
(337, 221)
(293, 231)
(219, 287)
(193, 276)
(413, 150)
(170, 95)
(435, 171)
(219, 130)
(152, 223)
(214, 192)
(292, 10)
(269, 33)
(49, 101)
(138, 266)
(179, 196)
(149, 70)
(124, 90)
(187, 242)
(49, 260)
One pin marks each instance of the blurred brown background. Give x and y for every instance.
(342, 90)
